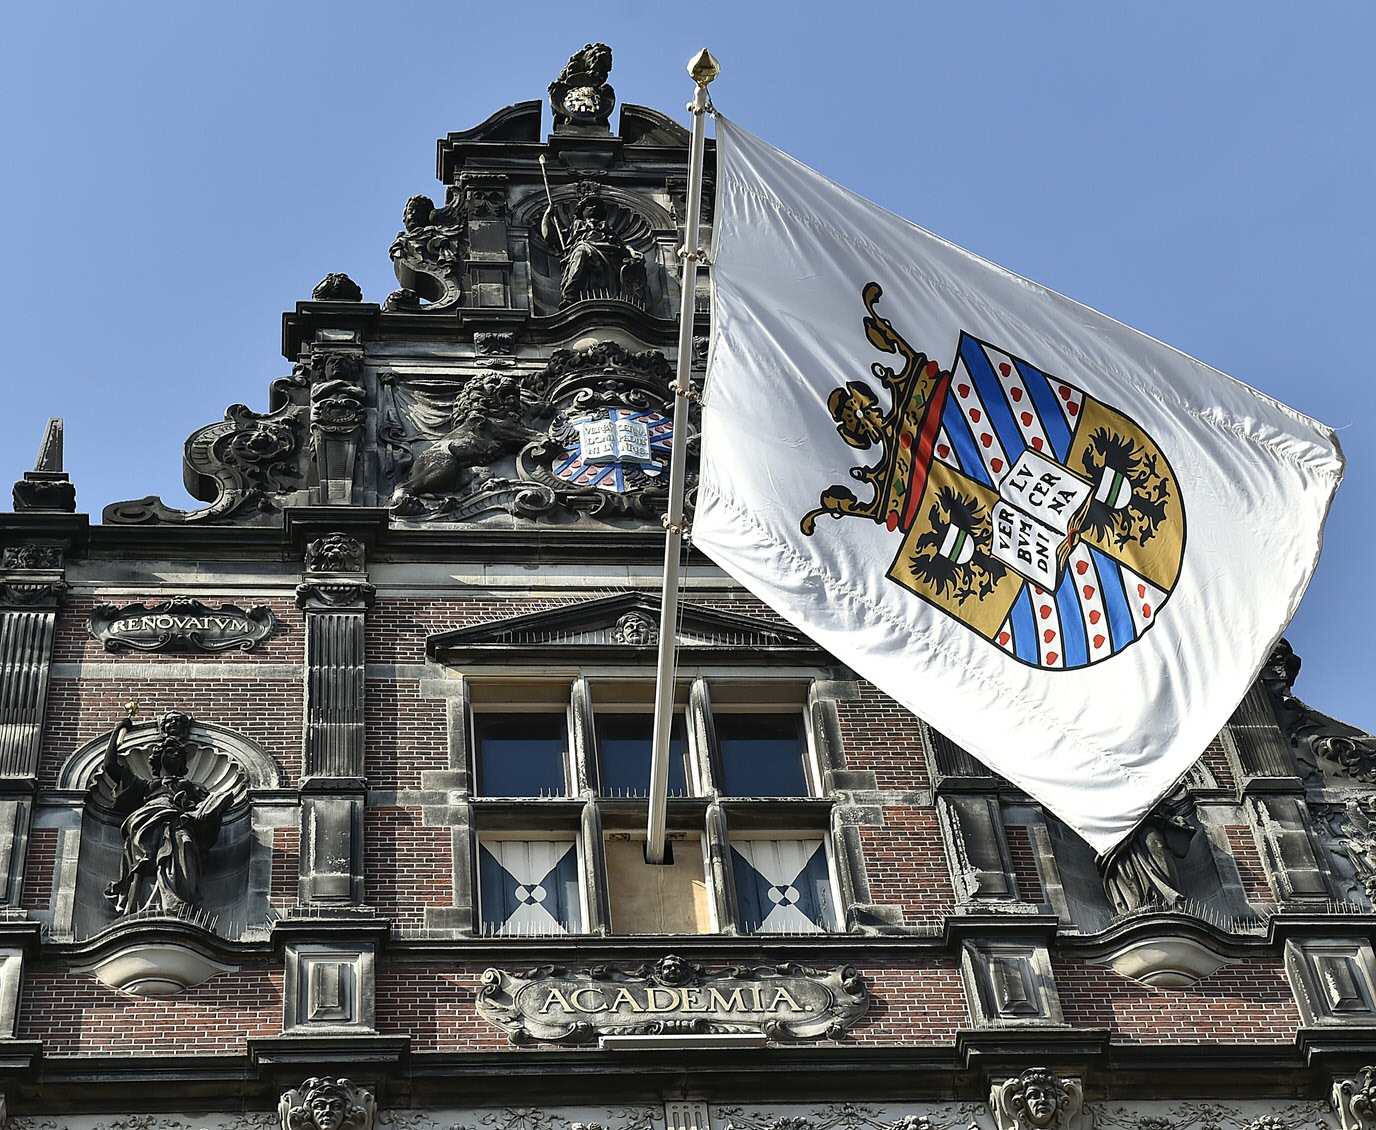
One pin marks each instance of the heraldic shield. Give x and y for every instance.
(1041, 518)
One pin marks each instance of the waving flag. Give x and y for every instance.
(1062, 543)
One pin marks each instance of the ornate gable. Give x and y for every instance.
(624, 628)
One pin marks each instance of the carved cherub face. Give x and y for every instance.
(1040, 1101)
(328, 1107)
(858, 417)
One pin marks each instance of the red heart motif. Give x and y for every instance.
(1026, 418)
(1045, 610)
(1065, 393)
(1098, 641)
(975, 415)
(1051, 657)
(1048, 635)
(1141, 590)
(1088, 590)
(1037, 442)
(932, 369)
(1004, 368)
(1073, 409)
(962, 391)
(996, 465)
(1015, 393)
(943, 450)
(1095, 616)
(1146, 610)
(1038, 590)
(986, 439)
(891, 521)
(1003, 639)
(1081, 566)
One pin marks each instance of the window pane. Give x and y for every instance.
(529, 886)
(623, 750)
(520, 754)
(782, 886)
(761, 754)
(648, 898)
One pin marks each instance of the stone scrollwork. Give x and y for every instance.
(427, 256)
(1325, 747)
(1038, 1099)
(1354, 1101)
(325, 1103)
(672, 996)
(31, 575)
(1356, 839)
(180, 623)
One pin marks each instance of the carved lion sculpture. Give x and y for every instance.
(1039, 1099)
(485, 426)
(593, 61)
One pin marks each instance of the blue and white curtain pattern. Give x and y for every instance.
(782, 886)
(529, 886)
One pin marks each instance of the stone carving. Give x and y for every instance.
(337, 406)
(317, 594)
(335, 553)
(180, 623)
(327, 1104)
(30, 556)
(1354, 1101)
(486, 423)
(494, 344)
(593, 245)
(635, 629)
(1038, 1099)
(170, 821)
(581, 96)
(785, 1002)
(1214, 1116)
(337, 288)
(853, 1116)
(1356, 839)
(459, 450)
(1141, 870)
(46, 487)
(427, 255)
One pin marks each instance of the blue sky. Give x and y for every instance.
(177, 175)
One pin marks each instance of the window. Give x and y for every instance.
(562, 772)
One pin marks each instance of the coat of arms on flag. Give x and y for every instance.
(1038, 516)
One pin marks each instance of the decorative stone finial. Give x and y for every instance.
(1038, 1099)
(581, 97)
(327, 1104)
(46, 487)
(337, 288)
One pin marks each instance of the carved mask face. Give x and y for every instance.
(327, 1110)
(1041, 1105)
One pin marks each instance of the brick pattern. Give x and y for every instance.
(437, 1006)
(285, 889)
(1242, 845)
(407, 734)
(40, 867)
(1024, 857)
(880, 736)
(1216, 761)
(267, 711)
(407, 866)
(74, 1014)
(906, 864)
(1246, 1003)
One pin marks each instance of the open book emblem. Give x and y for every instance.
(1040, 517)
(616, 449)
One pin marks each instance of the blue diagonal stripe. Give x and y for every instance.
(995, 399)
(1048, 409)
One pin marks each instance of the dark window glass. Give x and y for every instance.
(520, 754)
(761, 754)
(623, 751)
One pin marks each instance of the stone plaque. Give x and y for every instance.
(180, 624)
(672, 996)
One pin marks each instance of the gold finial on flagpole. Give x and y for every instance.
(703, 68)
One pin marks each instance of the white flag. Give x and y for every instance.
(1063, 544)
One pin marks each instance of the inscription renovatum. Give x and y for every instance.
(180, 624)
(672, 996)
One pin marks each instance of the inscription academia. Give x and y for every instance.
(784, 1001)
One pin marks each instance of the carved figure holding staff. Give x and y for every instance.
(170, 821)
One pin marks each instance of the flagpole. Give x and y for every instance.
(703, 69)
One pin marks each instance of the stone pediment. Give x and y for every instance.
(624, 628)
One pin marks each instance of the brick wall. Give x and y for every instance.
(880, 736)
(906, 864)
(407, 866)
(39, 868)
(1242, 845)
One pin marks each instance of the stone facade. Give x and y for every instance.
(366, 735)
